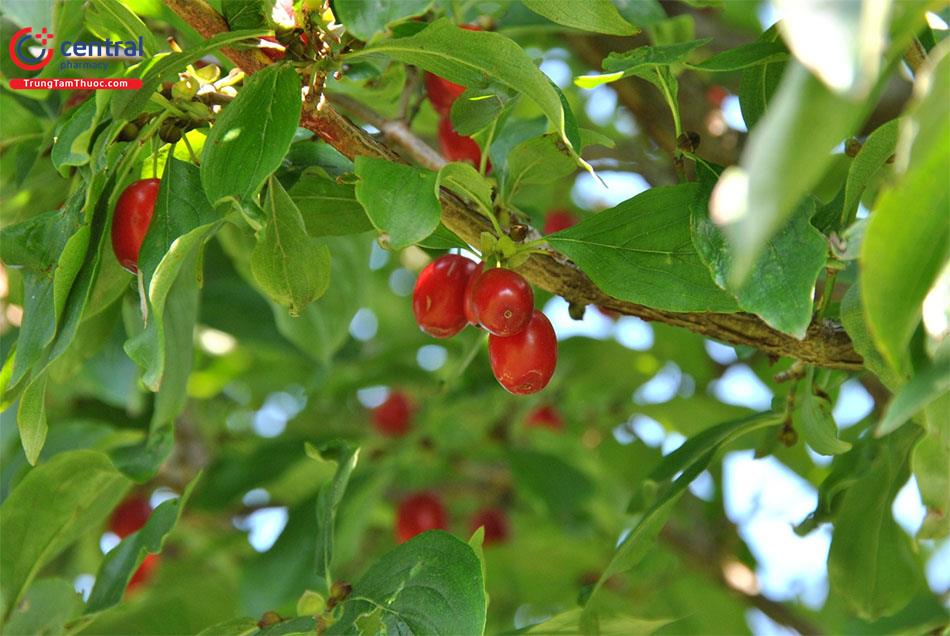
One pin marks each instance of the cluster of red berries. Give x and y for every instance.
(442, 94)
(425, 511)
(128, 518)
(453, 291)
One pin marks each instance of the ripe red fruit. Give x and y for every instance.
(438, 298)
(456, 147)
(130, 516)
(419, 513)
(716, 95)
(503, 301)
(524, 363)
(144, 571)
(545, 417)
(469, 305)
(495, 523)
(558, 220)
(133, 213)
(392, 417)
(272, 48)
(442, 93)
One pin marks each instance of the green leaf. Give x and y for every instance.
(568, 623)
(785, 157)
(852, 318)
(477, 108)
(929, 460)
(252, 134)
(744, 56)
(781, 292)
(473, 59)
(165, 68)
(48, 605)
(560, 486)
(366, 18)
(246, 14)
(641, 251)
(641, 13)
(244, 626)
(643, 62)
(49, 248)
(292, 267)
(463, 179)
(432, 584)
(31, 418)
(54, 504)
(345, 456)
(814, 420)
(875, 152)
(73, 135)
(111, 18)
(400, 200)
(871, 563)
(442, 239)
(120, 563)
(181, 206)
(543, 159)
(328, 208)
(841, 42)
(673, 475)
(758, 83)
(906, 242)
(599, 16)
(924, 387)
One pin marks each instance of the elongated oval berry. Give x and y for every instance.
(438, 300)
(393, 417)
(503, 301)
(456, 147)
(419, 513)
(133, 213)
(525, 362)
(144, 572)
(469, 307)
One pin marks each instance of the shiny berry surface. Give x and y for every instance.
(394, 416)
(558, 220)
(130, 516)
(438, 299)
(419, 513)
(133, 213)
(469, 306)
(503, 301)
(456, 147)
(495, 523)
(545, 417)
(525, 362)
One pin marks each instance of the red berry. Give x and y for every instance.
(419, 513)
(442, 93)
(456, 147)
(439, 296)
(558, 220)
(495, 523)
(715, 95)
(503, 301)
(524, 363)
(130, 516)
(469, 306)
(392, 417)
(144, 571)
(133, 213)
(545, 417)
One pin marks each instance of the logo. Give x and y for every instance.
(20, 53)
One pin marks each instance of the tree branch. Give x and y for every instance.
(826, 344)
